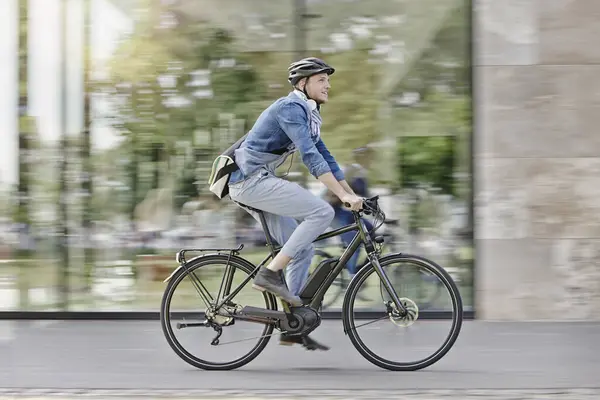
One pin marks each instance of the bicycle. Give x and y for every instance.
(227, 310)
(341, 282)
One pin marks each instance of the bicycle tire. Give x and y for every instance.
(348, 318)
(192, 265)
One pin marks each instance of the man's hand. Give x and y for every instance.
(332, 184)
(355, 202)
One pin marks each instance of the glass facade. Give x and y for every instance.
(99, 192)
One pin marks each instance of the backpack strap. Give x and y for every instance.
(226, 170)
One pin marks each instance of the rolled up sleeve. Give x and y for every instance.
(292, 118)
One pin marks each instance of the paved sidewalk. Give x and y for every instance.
(120, 359)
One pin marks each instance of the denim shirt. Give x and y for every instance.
(285, 124)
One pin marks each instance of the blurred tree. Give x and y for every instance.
(170, 80)
(350, 116)
(446, 62)
(440, 82)
(430, 137)
(65, 156)
(27, 133)
(86, 147)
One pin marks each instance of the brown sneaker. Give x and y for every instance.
(270, 281)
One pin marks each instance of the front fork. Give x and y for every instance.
(373, 256)
(387, 285)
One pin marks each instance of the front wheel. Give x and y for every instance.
(411, 342)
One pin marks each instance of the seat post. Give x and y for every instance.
(263, 222)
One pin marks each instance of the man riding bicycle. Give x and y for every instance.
(291, 123)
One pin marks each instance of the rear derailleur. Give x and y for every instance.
(222, 317)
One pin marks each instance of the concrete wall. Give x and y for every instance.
(537, 108)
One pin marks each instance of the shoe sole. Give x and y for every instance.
(262, 289)
(310, 348)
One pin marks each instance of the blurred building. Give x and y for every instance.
(537, 109)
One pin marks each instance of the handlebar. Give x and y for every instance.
(370, 205)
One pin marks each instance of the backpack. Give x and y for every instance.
(224, 165)
(222, 168)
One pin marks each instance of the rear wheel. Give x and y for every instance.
(191, 323)
(411, 342)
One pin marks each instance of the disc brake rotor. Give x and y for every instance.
(412, 313)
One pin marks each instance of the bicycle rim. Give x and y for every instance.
(253, 332)
(382, 336)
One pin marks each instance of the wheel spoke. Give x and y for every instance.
(225, 287)
(370, 322)
(201, 289)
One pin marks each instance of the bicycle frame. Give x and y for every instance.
(361, 236)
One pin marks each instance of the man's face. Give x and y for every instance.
(317, 87)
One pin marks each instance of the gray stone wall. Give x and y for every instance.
(537, 159)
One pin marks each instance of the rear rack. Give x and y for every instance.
(180, 256)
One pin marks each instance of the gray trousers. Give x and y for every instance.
(294, 216)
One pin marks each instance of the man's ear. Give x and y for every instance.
(301, 83)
